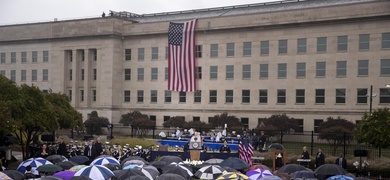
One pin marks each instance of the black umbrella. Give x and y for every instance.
(171, 159)
(137, 177)
(303, 174)
(16, 175)
(50, 178)
(176, 170)
(66, 164)
(133, 158)
(80, 178)
(235, 163)
(362, 178)
(79, 159)
(112, 166)
(276, 146)
(291, 168)
(123, 174)
(56, 158)
(49, 168)
(330, 169)
(170, 176)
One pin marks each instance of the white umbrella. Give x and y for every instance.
(34, 163)
(95, 172)
(209, 172)
(105, 160)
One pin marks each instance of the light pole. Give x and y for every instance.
(372, 95)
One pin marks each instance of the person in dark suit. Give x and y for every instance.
(90, 151)
(341, 161)
(225, 148)
(62, 150)
(43, 152)
(262, 141)
(255, 141)
(186, 147)
(320, 158)
(305, 155)
(29, 174)
(98, 147)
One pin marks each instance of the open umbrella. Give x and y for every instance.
(34, 163)
(95, 172)
(137, 177)
(184, 167)
(171, 159)
(15, 175)
(290, 168)
(303, 174)
(229, 169)
(131, 166)
(49, 168)
(235, 163)
(170, 176)
(276, 146)
(176, 170)
(340, 177)
(133, 160)
(258, 174)
(362, 178)
(79, 159)
(4, 176)
(77, 168)
(259, 166)
(112, 167)
(159, 164)
(232, 175)
(50, 178)
(123, 174)
(104, 160)
(66, 164)
(80, 178)
(66, 175)
(152, 170)
(271, 178)
(214, 161)
(56, 158)
(209, 172)
(330, 170)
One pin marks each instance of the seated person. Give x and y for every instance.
(204, 148)
(187, 146)
(225, 148)
(29, 174)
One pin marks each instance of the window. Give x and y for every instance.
(246, 96)
(167, 96)
(320, 69)
(263, 71)
(24, 57)
(362, 67)
(228, 96)
(93, 95)
(300, 96)
(182, 97)
(246, 71)
(317, 125)
(214, 50)
(23, 75)
(141, 54)
(70, 94)
(166, 74)
(94, 74)
(264, 48)
(340, 96)
(126, 96)
(362, 95)
(213, 72)
(13, 57)
(166, 52)
(3, 58)
(34, 56)
(2, 72)
(230, 49)
(13, 75)
(198, 51)
(82, 74)
(342, 43)
(341, 68)
(301, 44)
(198, 72)
(45, 75)
(127, 54)
(196, 118)
(245, 122)
(320, 96)
(46, 56)
(385, 40)
(153, 96)
(385, 67)
(140, 96)
(167, 118)
(263, 96)
(282, 70)
(82, 54)
(281, 99)
(301, 70)
(154, 53)
(81, 95)
(68, 55)
(198, 96)
(154, 73)
(94, 51)
(70, 75)
(300, 125)
(140, 74)
(364, 42)
(153, 118)
(384, 95)
(127, 74)
(34, 75)
(283, 46)
(229, 72)
(213, 96)
(321, 44)
(247, 50)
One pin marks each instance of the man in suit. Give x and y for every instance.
(62, 150)
(341, 161)
(305, 155)
(90, 151)
(262, 141)
(320, 158)
(255, 141)
(225, 148)
(98, 147)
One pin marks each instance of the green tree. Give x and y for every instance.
(95, 123)
(198, 125)
(142, 125)
(9, 96)
(128, 117)
(335, 132)
(175, 121)
(374, 129)
(233, 123)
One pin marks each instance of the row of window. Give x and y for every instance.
(82, 74)
(341, 70)
(321, 47)
(262, 94)
(82, 95)
(24, 57)
(23, 75)
(81, 54)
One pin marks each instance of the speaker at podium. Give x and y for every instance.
(195, 147)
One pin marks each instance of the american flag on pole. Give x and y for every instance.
(181, 56)
(242, 151)
(249, 154)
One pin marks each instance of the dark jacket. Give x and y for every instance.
(99, 148)
(62, 150)
(92, 153)
(30, 175)
(223, 149)
(320, 159)
(343, 163)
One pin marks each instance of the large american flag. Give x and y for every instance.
(181, 56)
(242, 152)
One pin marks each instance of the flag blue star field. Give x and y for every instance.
(181, 56)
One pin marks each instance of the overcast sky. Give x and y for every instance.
(29, 11)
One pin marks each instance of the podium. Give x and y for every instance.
(195, 148)
(304, 162)
(194, 154)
